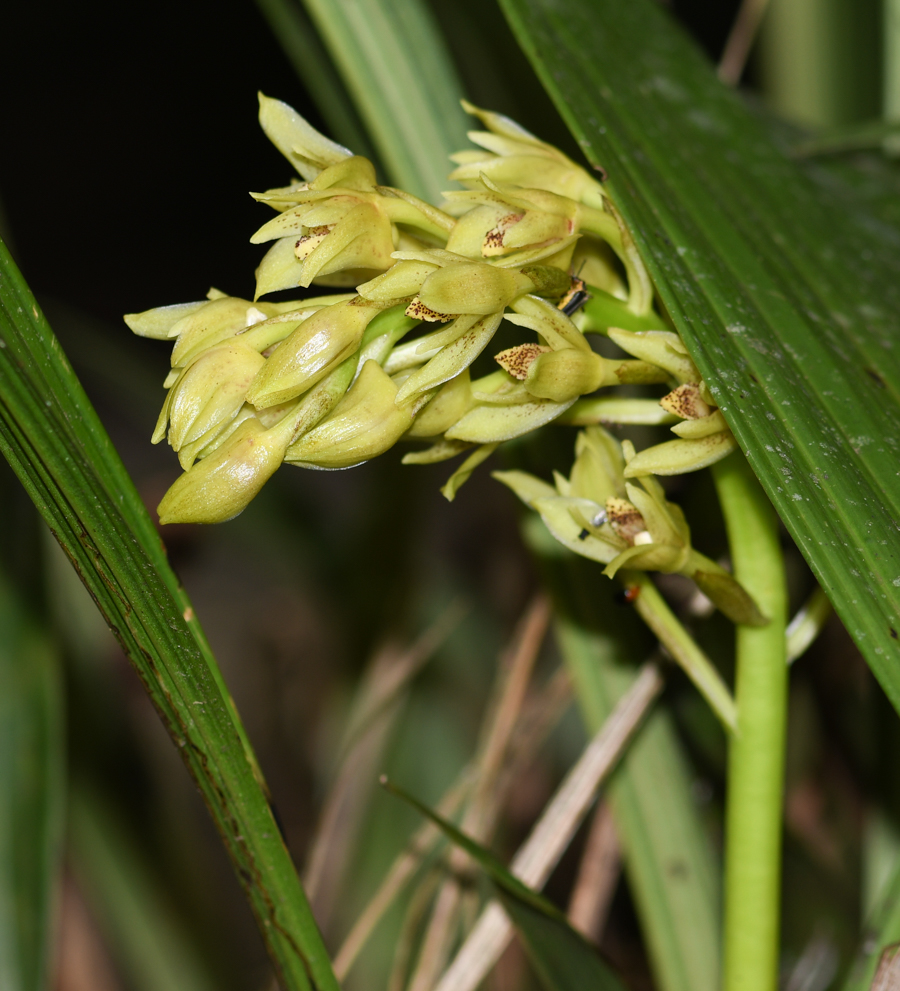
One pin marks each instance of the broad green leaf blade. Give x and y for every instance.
(149, 948)
(562, 957)
(398, 71)
(31, 795)
(57, 446)
(669, 858)
(787, 298)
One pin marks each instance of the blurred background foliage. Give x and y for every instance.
(130, 140)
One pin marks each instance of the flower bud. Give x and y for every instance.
(524, 170)
(452, 359)
(355, 173)
(402, 280)
(473, 287)
(213, 323)
(362, 241)
(279, 268)
(659, 347)
(597, 471)
(222, 485)
(702, 427)
(524, 230)
(567, 374)
(364, 424)
(488, 424)
(677, 457)
(564, 515)
(341, 244)
(470, 230)
(551, 323)
(452, 402)
(211, 391)
(158, 322)
(317, 346)
(515, 155)
(301, 144)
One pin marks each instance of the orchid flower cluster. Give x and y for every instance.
(331, 381)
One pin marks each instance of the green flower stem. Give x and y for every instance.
(652, 608)
(756, 758)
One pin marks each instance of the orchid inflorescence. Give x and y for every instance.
(332, 381)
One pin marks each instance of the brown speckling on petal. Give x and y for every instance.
(685, 402)
(519, 359)
(494, 240)
(624, 519)
(419, 311)
(313, 237)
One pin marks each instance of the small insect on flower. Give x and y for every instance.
(575, 298)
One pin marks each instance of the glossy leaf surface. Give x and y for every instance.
(786, 294)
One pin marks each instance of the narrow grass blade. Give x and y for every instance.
(551, 835)
(149, 948)
(669, 859)
(57, 447)
(563, 958)
(31, 795)
(786, 295)
(399, 74)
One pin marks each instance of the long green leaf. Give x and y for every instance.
(398, 71)
(57, 446)
(787, 298)
(31, 794)
(562, 957)
(669, 861)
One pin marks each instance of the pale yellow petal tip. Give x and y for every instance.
(181, 505)
(678, 457)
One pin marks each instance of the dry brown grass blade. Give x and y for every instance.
(554, 830)
(404, 866)
(887, 977)
(378, 702)
(540, 714)
(595, 885)
(740, 40)
(413, 920)
(481, 814)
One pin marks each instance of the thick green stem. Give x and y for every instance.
(756, 756)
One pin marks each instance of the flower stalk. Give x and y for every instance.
(754, 801)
